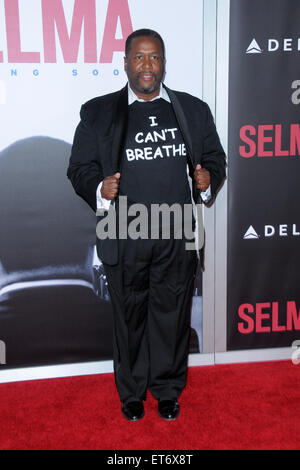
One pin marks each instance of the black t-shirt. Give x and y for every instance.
(154, 160)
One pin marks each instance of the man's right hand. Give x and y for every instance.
(110, 186)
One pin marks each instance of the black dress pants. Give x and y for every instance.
(151, 291)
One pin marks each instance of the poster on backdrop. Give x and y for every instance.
(264, 150)
(54, 56)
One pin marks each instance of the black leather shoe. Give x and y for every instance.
(168, 409)
(133, 411)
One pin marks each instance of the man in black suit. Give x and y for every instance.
(154, 146)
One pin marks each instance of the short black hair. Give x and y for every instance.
(143, 32)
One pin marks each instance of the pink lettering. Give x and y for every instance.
(278, 137)
(266, 321)
(53, 14)
(116, 9)
(252, 146)
(293, 317)
(262, 139)
(12, 19)
(260, 316)
(248, 325)
(275, 321)
(295, 139)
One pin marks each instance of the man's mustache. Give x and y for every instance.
(139, 74)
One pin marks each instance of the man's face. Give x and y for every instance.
(145, 66)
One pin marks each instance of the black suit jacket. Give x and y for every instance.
(98, 140)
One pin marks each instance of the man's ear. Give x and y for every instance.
(125, 64)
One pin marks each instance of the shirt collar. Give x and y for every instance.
(162, 94)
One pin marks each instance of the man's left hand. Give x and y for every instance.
(202, 178)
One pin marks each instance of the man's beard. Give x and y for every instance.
(147, 91)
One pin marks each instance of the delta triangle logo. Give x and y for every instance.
(253, 48)
(250, 234)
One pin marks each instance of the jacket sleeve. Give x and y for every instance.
(84, 171)
(213, 157)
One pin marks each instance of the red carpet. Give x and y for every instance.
(239, 406)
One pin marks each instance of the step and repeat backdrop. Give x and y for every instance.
(54, 56)
(263, 309)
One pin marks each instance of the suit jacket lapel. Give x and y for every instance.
(183, 125)
(120, 120)
(184, 128)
